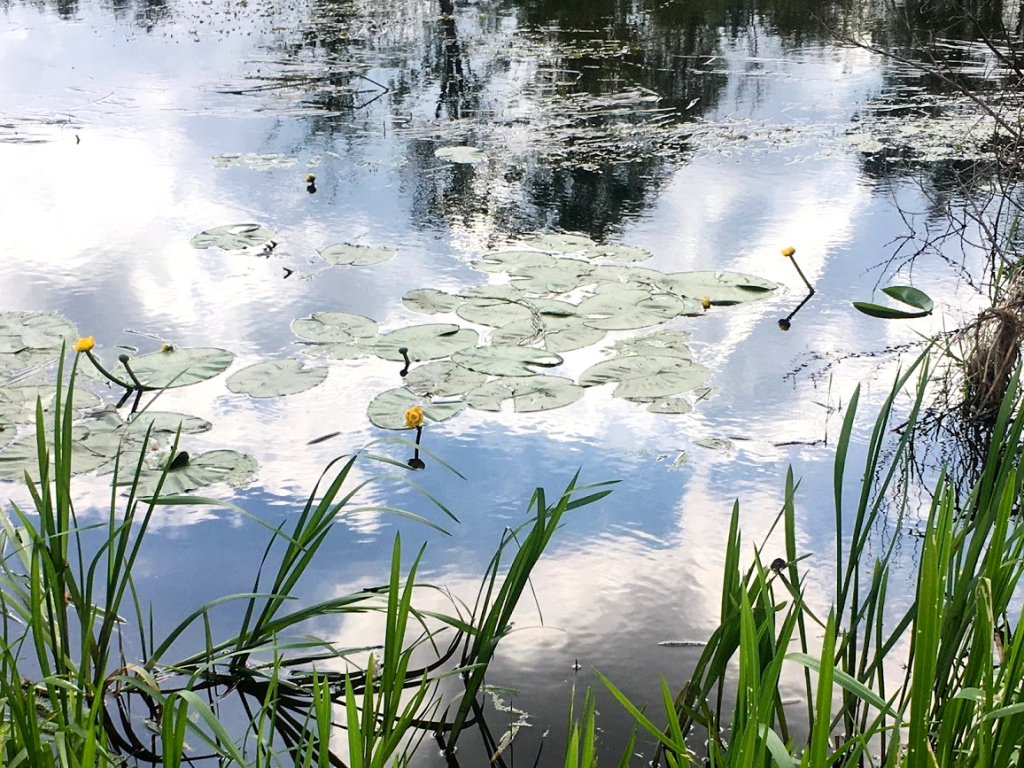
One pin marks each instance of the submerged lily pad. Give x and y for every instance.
(627, 309)
(506, 360)
(347, 255)
(178, 367)
(234, 237)
(537, 393)
(428, 301)
(461, 155)
(722, 288)
(646, 376)
(426, 342)
(671, 343)
(275, 378)
(192, 472)
(23, 331)
(442, 378)
(387, 410)
(334, 327)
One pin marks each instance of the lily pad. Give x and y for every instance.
(504, 261)
(347, 255)
(494, 312)
(669, 342)
(257, 161)
(387, 410)
(275, 378)
(178, 367)
(21, 456)
(18, 404)
(646, 376)
(631, 309)
(334, 327)
(714, 443)
(537, 393)
(676, 405)
(234, 237)
(220, 466)
(722, 288)
(168, 422)
(556, 334)
(428, 301)
(442, 378)
(561, 243)
(461, 155)
(621, 253)
(563, 276)
(22, 331)
(426, 342)
(506, 360)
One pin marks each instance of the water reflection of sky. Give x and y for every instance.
(99, 231)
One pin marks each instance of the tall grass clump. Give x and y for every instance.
(269, 693)
(939, 682)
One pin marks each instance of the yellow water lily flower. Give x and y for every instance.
(705, 302)
(166, 347)
(788, 251)
(414, 417)
(84, 344)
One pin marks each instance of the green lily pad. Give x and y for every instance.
(494, 312)
(346, 255)
(505, 261)
(561, 243)
(670, 343)
(905, 294)
(563, 276)
(18, 404)
(178, 367)
(23, 331)
(234, 237)
(646, 376)
(461, 155)
(387, 410)
(722, 288)
(220, 466)
(428, 301)
(442, 378)
(557, 333)
(537, 393)
(426, 342)
(168, 423)
(677, 405)
(275, 378)
(621, 253)
(7, 432)
(714, 443)
(257, 161)
(506, 360)
(21, 456)
(334, 328)
(627, 309)
(626, 275)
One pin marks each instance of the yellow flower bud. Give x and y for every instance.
(788, 251)
(84, 344)
(414, 417)
(310, 178)
(166, 347)
(705, 302)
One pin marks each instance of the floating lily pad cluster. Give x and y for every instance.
(562, 295)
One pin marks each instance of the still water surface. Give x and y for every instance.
(711, 135)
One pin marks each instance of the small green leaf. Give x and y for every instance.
(347, 255)
(233, 237)
(275, 378)
(910, 295)
(886, 313)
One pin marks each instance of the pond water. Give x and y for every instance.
(711, 135)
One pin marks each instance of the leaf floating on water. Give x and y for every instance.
(334, 327)
(627, 309)
(167, 422)
(722, 288)
(670, 343)
(18, 404)
(428, 301)
(275, 378)
(506, 360)
(221, 466)
(646, 376)
(442, 378)
(505, 261)
(257, 161)
(177, 367)
(346, 255)
(561, 277)
(426, 342)
(676, 405)
(714, 443)
(621, 253)
(387, 410)
(560, 243)
(536, 393)
(494, 312)
(234, 237)
(461, 155)
(23, 331)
